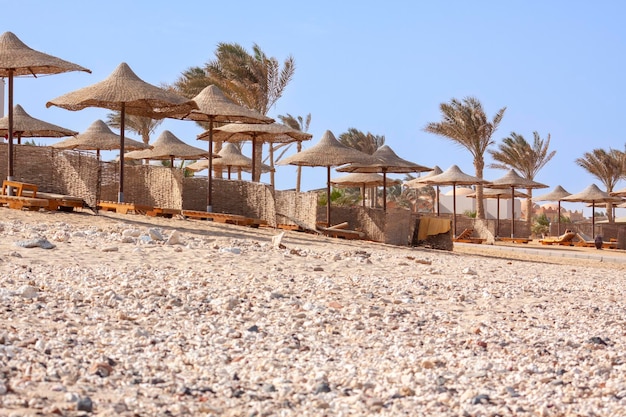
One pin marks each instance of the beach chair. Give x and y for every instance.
(586, 241)
(466, 237)
(566, 239)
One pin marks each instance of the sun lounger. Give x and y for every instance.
(587, 242)
(566, 239)
(224, 218)
(341, 233)
(20, 203)
(124, 208)
(60, 202)
(514, 239)
(466, 237)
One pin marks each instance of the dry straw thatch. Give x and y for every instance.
(99, 137)
(26, 126)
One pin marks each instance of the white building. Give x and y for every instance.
(464, 203)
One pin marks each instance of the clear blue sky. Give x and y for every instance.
(380, 67)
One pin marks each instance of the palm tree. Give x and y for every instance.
(465, 123)
(515, 152)
(297, 124)
(252, 80)
(143, 126)
(364, 142)
(608, 167)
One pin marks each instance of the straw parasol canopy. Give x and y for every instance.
(169, 147)
(592, 194)
(452, 176)
(513, 180)
(17, 59)
(98, 137)
(26, 126)
(386, 161)
(362, 180)
(328, 152)
(557, 194)
(498, 194)
(414, 184)
(229, 157)
(125, 92)
(258, 134)
(618, 193)
(214, 106)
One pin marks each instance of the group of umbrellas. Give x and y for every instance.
(125, 92)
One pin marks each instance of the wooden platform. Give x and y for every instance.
(20, 203)
(224, 218)
(60, 202)
(124, 208)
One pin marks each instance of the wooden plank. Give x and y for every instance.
(18, 188)
(224, 218)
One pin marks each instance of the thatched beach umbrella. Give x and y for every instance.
(168, 147)
(592, 194)
(125, 92)
(452, 176)
(386, 161)
(99, 137)
(498, 194)
(17, 59)
(414, 184)
(557, 194)
(513, 180)
(328, 152)
(229, 157)
(362, 180)
(215, 107)
(26, 126)
(258, 134)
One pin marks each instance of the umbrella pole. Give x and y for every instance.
(384, 190)
(209, 191)
(228, 171)
(558, 223)
(498, 215)
(593, 219)
(10, 138)
(120, 194)
(512, 211)
(254, 160)
(454, 208)
(363, 195)
(437, 196)
(328, 196)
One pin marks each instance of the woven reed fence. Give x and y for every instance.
(80, 174)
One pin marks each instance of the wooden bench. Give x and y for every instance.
(17, 188)
(124, 208)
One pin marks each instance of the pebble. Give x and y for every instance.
(316, 329)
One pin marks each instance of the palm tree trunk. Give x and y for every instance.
(609, 212)
(271, 150)
(529, 205)
(299, 169)
(479, 165)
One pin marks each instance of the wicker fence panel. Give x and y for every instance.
(296, 208)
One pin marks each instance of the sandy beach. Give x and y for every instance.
(137, 316)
